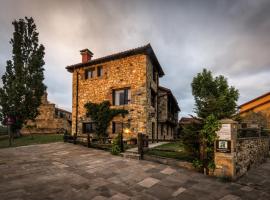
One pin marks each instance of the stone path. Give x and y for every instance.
(67, 171)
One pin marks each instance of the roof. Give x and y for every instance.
(170, 93)
(63, 110)
(189, 120)
(257, 98)
(147, 49)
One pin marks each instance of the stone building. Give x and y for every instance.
(256, 111)
(167, 114)
(129, 80)
(50, 120)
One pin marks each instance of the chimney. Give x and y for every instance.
(86, 55)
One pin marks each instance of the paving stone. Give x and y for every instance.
(168, 171)
(120, 196)
(179, 191)
(99, 198)
(67, 171)
(246, 188)
(60, 165)
(148, 182)
(160, 191)
(230, 197)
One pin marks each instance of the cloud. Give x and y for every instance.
(228, 37)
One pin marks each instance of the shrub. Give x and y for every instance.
(116, 145)
(115, 150)
(197, 164)
(191, 139)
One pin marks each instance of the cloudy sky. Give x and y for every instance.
(229, 37)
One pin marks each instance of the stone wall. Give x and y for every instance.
(250, 152)
(47, 121)
(234, 156)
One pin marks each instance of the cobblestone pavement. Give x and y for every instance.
(67, 171)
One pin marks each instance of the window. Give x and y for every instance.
(88, 127)
(61, 115)
(153, 98)
(89, 73)
(244, 125)
(121, 97)
(153, 130)
(99, 71)
(116, 127)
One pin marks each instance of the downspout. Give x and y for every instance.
(77, 98)
(157, 105)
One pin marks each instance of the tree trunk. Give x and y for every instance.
(10, 135)
(88, 140)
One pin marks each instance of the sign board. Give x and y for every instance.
(225, 132)
(223, 146)
(9, 121)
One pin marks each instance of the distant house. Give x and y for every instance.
(129, 80)
(188, 120)
(50, 119)
(257, 111)
(168, 110)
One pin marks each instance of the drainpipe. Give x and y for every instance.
(157, 105)
(77, 98)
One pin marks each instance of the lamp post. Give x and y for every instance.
(121, 135)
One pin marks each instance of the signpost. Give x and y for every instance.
(10, 121)
(223, 144)
(225, 132)
(225, 149)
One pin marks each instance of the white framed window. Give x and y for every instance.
(89, 73)
(121, 97)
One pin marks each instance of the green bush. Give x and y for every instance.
(191, 139)
(116, 145)
(115, 150)
(211, 165)
(197, 164)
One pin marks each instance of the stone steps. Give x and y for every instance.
(131, 155)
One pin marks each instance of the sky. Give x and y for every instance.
(228, 37)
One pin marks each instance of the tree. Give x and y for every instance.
(191, 138)
(213, 95)
(208, 135)
(23, 84)
(214, 100)
(102, 115)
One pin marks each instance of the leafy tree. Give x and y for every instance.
(214, 100)
(23, 84)
(213, 95)
(191, 138)
(102, 115)
(208, 136)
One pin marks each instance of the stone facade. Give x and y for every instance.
(257, 111)
(136, 71)
(167, 114)
(239, 154)
(50, 120)
(250, 152)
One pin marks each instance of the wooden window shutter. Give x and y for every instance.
(125, 96)
(113, 97)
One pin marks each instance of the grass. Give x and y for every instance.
(174, 150)
(27, 140)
